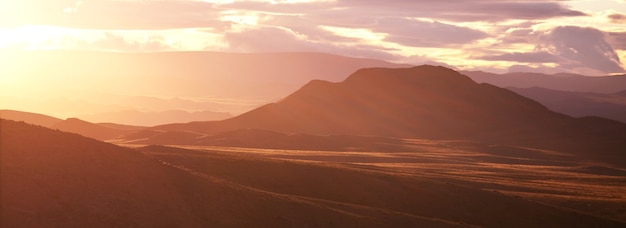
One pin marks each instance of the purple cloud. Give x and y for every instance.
(617, 40)
(617, 18)
(586, 47)
(425, 34)
(522, 57)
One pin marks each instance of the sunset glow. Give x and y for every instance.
(493, 36)
(405, 31)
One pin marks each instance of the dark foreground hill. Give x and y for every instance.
(55, 179)
(425, 102)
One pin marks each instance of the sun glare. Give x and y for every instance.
(33, 37)
(360, 33)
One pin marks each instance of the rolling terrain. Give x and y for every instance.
(52, 178)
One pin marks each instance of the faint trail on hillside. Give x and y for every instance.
(316, 202)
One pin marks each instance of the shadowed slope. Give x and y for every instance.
(52, 178)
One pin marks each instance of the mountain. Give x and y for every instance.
(564, 82)
(424, 102)
(88, 129)
(579, 104)
(155, 118)
(28, 117)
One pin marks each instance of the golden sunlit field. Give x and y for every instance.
(548, 178)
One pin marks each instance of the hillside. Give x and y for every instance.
(55, 179)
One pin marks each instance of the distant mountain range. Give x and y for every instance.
(133, 117)
(563, 82)
(571, 94)
(579, 104)
(102, 131)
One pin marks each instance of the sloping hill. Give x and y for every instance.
(28, 117)
(579, 104)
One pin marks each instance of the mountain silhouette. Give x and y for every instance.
(424, 102)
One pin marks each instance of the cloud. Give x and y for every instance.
(569, 48)
(108, 14)
(112, 41)
(585, 47)
(280, 39)
(462, 10)
(164, 14)
(419, 33)
(523, 57)
(617, 18)
(617, 40)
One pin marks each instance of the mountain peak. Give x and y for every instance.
(427, 75)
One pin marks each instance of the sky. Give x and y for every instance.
(578, 36)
